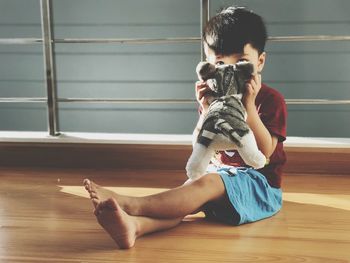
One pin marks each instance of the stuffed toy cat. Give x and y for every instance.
(224, 127)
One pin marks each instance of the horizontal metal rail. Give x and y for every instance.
(23, 100)
(317, 101)
(95, 100)
(101, 100)
(24, 41)
(309, 38)
(166, 101)
(127, 40)
(20, 41)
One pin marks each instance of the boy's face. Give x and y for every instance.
(249, 54)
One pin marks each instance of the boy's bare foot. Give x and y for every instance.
(98, 193)
(117, 223)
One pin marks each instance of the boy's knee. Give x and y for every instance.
(209, 181)
(210, 187)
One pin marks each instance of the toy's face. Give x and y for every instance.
(231, 79)
(225, 79)
(249, 54)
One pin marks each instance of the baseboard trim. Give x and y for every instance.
(319, 160)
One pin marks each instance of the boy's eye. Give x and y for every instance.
(219, 63)
(243, 60)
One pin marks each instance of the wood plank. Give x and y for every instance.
(39, 223)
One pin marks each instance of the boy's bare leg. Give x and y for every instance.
(174, 203)
(125, 229)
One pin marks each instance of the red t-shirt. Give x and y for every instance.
(272, 110)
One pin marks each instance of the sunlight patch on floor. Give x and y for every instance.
(328, 200)
(132, 191)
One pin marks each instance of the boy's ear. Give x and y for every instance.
(261, 61)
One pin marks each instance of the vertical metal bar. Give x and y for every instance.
(49, 66)
(205, 15)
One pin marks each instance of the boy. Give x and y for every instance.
(234, 194)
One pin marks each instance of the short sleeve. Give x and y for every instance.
(273, 114)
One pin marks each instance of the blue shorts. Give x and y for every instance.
(250, 195)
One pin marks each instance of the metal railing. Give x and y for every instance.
(48, 42)
(152, 100)
(26, 41)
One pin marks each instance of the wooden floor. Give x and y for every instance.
(46, 217)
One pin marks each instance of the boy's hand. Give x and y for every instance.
(253, 87)
(203, 93)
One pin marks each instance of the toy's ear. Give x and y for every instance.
(205, 70)
(246, 68)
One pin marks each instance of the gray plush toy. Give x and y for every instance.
(224, 127)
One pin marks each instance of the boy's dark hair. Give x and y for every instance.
(234, 27)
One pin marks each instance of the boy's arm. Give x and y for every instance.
(265, 141)
(201, 91)
(250, 152)
(204, 97)
(197, 128)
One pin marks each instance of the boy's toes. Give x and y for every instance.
(87, 184)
